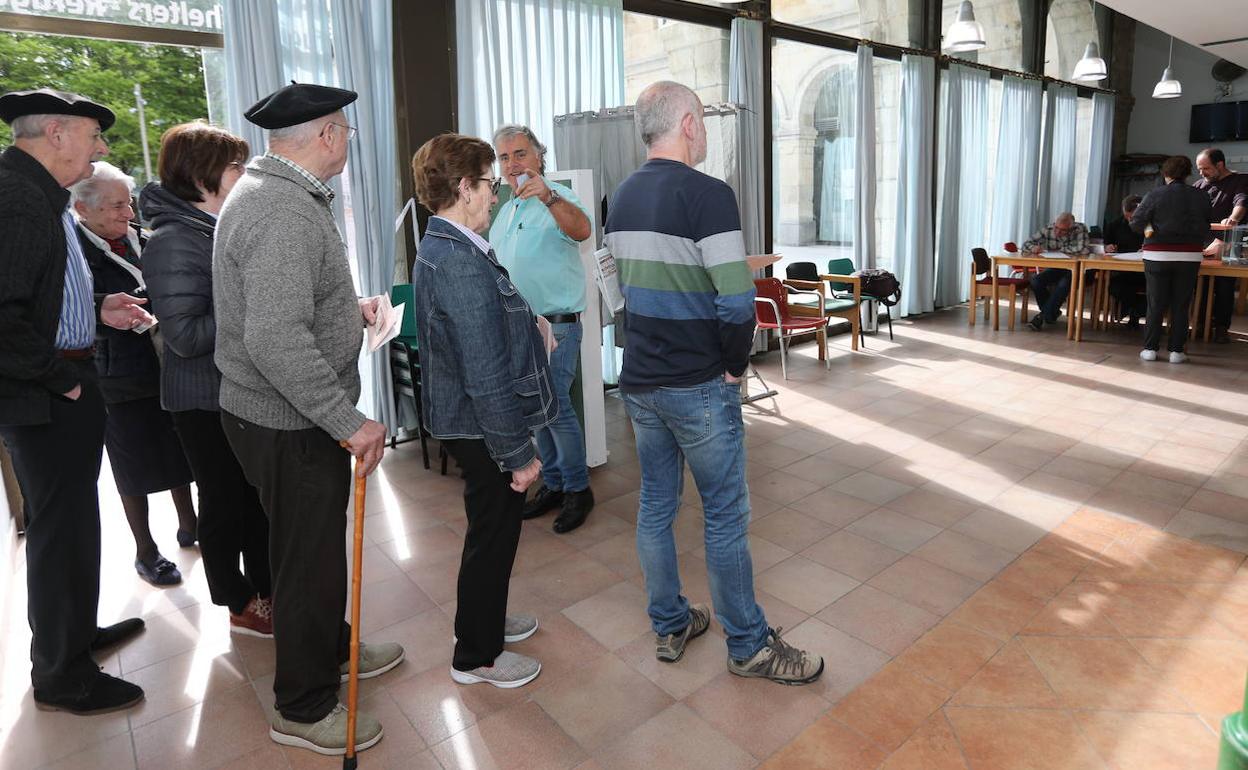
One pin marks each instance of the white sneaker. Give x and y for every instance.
(1148, 355)
(509, 670)
(1178, 358)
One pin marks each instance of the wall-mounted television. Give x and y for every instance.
(1219, 122)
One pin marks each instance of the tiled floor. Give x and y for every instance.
(985, 534)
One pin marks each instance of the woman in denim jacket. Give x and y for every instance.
(485, 388)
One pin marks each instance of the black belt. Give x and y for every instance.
(77, 355)
(562, 318)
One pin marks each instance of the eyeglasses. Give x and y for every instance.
(351, 130)
(495, 183)
(238, 164)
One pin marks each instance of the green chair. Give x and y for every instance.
(845, 266)
(803, 279)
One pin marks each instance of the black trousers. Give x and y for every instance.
(1223, 301)
(1169, 287)
(58, 466)
(303, 478)
(231, 520)
(494, 517)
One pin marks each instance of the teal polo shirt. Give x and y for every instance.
(544, 263)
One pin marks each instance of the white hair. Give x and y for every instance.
(33, 126)
(89, 190)
(661, 107)
(514, 129)
(301, 134)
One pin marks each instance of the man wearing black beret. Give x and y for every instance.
(51, 410)
(289, 330)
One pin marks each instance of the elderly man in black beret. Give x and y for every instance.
(51, 410)
(289, 330)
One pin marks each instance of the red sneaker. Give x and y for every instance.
(256, 619)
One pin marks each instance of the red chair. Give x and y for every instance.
(981, 286)
(772, 311)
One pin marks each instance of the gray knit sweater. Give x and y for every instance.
(288, 319)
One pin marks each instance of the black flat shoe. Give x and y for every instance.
(160, 573)
(117, 633)
(576, 508)
(186, 539)
(546, 499)
(98, 695)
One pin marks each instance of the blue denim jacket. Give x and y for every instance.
(484, 372)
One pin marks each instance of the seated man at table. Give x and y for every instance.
(1051, 286)
(1126, 288)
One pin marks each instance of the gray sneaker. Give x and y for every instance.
(328, 736)
(510, 669)
(670, 648)
(780, 662)
(375, 660)
(517, 628)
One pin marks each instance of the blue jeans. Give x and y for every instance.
(561, 444)
(1051, 286)
(702, 425)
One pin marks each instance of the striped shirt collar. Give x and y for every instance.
(316, 183)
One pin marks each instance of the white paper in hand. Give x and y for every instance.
(386, 323)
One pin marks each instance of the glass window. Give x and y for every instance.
(1003, 31)
(887, 21)
(662, 49)
(887, 137)
(1070, 27)
(195, 15)
(1083, 151)
(813, 154)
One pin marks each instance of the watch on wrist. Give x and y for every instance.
(553, 199)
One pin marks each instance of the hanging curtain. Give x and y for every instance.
(914, 261)
(864, 181)
(834, 120)
(1098, 159)
(1017, 162)
(745, 88)
(347, 44)
(253, 63)
(1057, 172)
(363, 52)
(963, 159)
(526, 61)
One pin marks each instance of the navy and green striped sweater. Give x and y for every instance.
(689, 297)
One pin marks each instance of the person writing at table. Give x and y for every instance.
(1051, 286)
(1179, 216)
(1126, 288)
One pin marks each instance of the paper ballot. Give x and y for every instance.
(608, 280)
(386, 324)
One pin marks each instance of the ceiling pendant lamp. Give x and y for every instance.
(1091, 67)
(1168, 87)
(965, 34)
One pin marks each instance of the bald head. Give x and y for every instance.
(669, 118)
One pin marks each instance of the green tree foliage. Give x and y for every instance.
(105, 71)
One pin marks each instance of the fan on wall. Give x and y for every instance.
(1226, 72)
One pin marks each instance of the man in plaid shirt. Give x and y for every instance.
(1051, 286)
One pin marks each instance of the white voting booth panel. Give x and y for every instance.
(593, 400)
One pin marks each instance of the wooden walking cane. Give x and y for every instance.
(353, 675)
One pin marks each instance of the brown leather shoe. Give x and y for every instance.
(256, 619)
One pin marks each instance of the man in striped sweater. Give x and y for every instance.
(689, 315)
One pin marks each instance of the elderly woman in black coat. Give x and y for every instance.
(199, 165)
(143, 449)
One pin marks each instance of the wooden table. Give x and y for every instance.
(1011, 260)
(1097, 262)
(1210, 269)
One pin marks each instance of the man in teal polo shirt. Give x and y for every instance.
(535, 237)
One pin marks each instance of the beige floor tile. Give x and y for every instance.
(566, 580)
(949, 654)
(522, 737)
(847, 661)
(1127, 741)
(1100, 674)
(871, 487)
(1001, 739)
(852, 555)
(1002, 530)
(805, 584)
(1009, 680)
(1211, 530)
(965, 555)
(791, 529)
(1206, 672)
(890, 706)
(675, 737)
(933, 507)
(833, 508)
(221, 728)
(879, 619)
(827, 745)
(614, 616)
(893, 529)
(757, 715)
(604, 699)
(999, 609)
(925, 585)
(439, 708)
